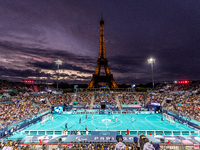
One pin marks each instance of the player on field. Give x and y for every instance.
(132, 119)
(66, 126)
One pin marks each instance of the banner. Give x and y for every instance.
(104, 133)
(155, 104)
(131, 106)
(103, 138)
(8, 90)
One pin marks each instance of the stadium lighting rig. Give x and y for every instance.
(151, 61)
(58, 62)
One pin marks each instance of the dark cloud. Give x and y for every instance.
(36, 33)
(11, 47)
(53, 66)
(12, 73)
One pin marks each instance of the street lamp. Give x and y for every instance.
(58, 62)
(151, 61)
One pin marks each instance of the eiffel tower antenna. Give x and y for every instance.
(102, 62)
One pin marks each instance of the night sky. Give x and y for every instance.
(35, 33)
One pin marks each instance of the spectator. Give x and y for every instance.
(142, 141)
(156, 146)
(127, 131)
(8, 145)
(87, 132)
(148, 145)
(120, 145)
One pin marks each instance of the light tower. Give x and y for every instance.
(151, 61)
(58, 62)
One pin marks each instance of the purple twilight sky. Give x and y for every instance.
(35, 33)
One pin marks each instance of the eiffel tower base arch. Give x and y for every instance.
(98, 79)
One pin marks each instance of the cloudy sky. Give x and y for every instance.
(35, 33)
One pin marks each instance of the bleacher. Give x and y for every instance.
(184, 104)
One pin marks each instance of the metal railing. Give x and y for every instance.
(121, 132)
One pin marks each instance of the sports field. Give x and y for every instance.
(141, 122)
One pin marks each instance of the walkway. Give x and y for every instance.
(117, 100)
(48, 102)
(137, 99)
(92, 101)
(74, 97)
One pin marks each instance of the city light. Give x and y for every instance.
(184, 82)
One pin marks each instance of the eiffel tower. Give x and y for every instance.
(102, 62)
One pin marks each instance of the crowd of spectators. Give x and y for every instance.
(83, 99)
(141, 143)
(181, 99)
(20, 109)
(60, 99)
(10, 145)
(108, 98)
(188, 106)
(70, 146)
(127, 98)
(23, 107)
(156, 97)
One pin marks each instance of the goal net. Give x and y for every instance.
(169, 118)
(46, 117)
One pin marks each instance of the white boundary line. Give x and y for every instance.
(131, 122)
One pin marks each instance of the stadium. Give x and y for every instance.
(168, 116)
(69, 98)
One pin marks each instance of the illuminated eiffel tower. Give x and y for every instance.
(102, 62)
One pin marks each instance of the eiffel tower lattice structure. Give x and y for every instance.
(102, 62)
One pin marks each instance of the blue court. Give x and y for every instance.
(141, 122)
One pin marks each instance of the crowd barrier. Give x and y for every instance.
(113, 107)
(122, 132)
(194, 120)
(183, 119)
(106, 111)
(121, 111)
